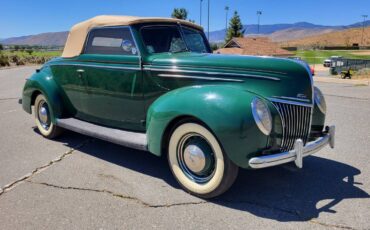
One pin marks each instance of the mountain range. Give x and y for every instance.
(285, 32)
(277, 32)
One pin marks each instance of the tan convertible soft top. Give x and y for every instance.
(77, 35)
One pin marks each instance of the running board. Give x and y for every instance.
(117, 136)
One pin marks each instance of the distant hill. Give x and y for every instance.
(337, 38)
(277, 32)
(293, 34)
(44, 39)
(286, 32)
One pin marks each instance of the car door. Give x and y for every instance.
(68, 76)
(113, 77)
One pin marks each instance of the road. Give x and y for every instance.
(77, 182)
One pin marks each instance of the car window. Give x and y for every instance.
(116, 41)
(195, 40)
(161, 39)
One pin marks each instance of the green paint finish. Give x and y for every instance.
(220, 108)
(107, 93)
(124, 91)
(318, 118)
(292, 77)
(44, 83)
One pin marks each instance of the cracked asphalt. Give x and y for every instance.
(78, 182)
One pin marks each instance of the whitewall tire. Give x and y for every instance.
(198, 162)
(43, 113)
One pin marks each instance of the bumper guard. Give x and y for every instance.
(297, 153)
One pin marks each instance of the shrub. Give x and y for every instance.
(365, 71)
(4, 60)
(29, 51)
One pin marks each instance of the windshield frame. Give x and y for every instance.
(179, 26)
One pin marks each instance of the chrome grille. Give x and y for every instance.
(296, 121)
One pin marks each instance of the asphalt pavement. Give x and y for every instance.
(78, 182)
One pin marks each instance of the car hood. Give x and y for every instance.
(266, 76)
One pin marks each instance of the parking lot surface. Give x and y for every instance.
(78, 182)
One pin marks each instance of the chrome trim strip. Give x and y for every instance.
(197, 77)
(291, 98)
(230, 68)
(296, 154)
(290, 102)
(96, 66)
(212, 73)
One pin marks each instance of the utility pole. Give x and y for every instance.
(200, 13)
(259, 13)
(227, 11)
(208, 20)
(363, 29)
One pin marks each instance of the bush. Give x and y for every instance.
(365, 71)
(362, 74)
(4, 60)
(29, 51)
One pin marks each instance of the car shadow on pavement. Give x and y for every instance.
(282, 193)
(297, 194)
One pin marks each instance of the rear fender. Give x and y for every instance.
(42, 82)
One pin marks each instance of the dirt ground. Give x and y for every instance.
(361, 52)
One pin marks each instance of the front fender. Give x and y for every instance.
(226, 110)
(44, 83)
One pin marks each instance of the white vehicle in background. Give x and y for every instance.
(327, 63)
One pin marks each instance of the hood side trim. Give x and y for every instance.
(210, 73)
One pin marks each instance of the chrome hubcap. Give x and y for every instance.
(43, 115)
(196, 158)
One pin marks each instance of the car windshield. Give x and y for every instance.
(164, 39)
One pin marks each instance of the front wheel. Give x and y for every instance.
(198, 163)
(42, 112)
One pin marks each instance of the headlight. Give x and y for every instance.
(320, 100)
(262, 115)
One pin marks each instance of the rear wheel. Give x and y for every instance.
(42, 112)
(198, 163)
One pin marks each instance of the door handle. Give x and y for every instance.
(80, 72)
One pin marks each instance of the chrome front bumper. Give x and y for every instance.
(297, 153)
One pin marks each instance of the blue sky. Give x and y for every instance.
(25, 17)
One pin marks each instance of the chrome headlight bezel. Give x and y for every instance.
(262, 115)
(319, 100)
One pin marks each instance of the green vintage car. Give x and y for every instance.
(153, 84)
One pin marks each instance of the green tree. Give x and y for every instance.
(180, 13)
(213, 46)
(235, 28)
(29, 51)
(1, 47)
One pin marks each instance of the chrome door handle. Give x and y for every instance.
(80, 72)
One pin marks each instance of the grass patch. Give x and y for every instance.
(318, 56)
